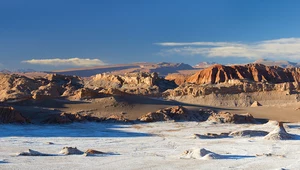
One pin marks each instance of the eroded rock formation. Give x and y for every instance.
(134, 83)
(10, 115)
(230, 87)
(227, 117)
(14, 87)
(17, 88)
(176, 113)
(251, 72)
(177, 78)
(220, 79)
(65, 118)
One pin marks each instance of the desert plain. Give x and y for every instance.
(151, 116)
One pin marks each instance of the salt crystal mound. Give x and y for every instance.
(201, 154)
(279, 133)
(271, 123)
(70, 151)
(31, 152)
(248, 133)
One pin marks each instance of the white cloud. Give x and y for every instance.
(66, 62)
(285, 48)
(170, 44)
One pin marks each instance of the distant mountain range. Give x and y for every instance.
(163, 68)
(280, 63)
(17, 71)
(204, 64)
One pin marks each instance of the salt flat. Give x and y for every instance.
(157, 145)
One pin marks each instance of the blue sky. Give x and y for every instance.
(56, 34)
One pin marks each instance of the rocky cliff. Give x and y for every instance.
(252, 72)
(177, 78)
(135, 83)
(15, 87)
(224, 85)
(231, 87)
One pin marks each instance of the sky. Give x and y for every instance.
(58, 34)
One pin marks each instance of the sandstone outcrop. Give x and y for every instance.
(64, 118)
(134, 83)
(227, 117)
(255, 104)
(50, 90)
(177, 113)
(230, 87)
(177, 78)
(113, 91)
(236, 79)
(251, 72)
(116, 118)
(17, 88)
(10, 115)
(154, 117)
(84, 93)
(92, 152)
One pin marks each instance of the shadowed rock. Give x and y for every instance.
(154, 117)
(116, 118)
(70, 118)
(176, 113)
(10, 115)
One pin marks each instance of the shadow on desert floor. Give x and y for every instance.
(134, 99)
(110, 130)
(47, 103)
(235, 156)
(293, 126)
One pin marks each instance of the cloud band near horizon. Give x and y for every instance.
(66, 62)
(284, 48)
